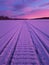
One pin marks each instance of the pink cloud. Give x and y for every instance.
(37, 14)
(27, 9)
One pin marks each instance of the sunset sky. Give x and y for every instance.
(24, 8)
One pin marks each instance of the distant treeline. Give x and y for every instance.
(2, 17)
(42, 18)
(7, 18)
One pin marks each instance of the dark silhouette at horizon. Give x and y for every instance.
(8, 18)
(43, 18)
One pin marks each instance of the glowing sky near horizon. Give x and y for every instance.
(24, 8)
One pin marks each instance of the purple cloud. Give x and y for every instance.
(33, 0)
(18, 7)
(45, 4)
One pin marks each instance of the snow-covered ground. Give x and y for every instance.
(24, 42)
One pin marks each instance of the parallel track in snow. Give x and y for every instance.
(24, 44)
